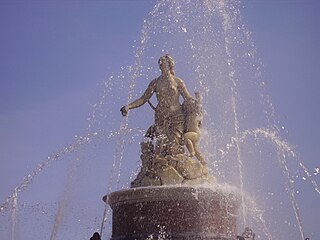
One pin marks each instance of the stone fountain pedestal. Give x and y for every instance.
(176, 212)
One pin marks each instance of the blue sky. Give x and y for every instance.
(55, 56)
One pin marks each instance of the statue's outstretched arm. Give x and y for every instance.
(142, 100)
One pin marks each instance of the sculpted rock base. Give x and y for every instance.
(171, 170)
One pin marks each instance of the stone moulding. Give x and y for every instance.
(179, 212)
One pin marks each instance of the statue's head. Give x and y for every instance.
(166, 61)
(198, 96)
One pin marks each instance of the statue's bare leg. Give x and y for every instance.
(189, 139)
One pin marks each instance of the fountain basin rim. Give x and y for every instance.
(171, 192)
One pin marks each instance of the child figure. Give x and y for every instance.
(193, 120)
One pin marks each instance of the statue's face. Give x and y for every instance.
(164, 65)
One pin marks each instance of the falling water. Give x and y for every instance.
(213, 48)
(74, 146)
(310, 176)
(230, 62)
(14, 214)
(283, 149)
(65, 200)
(215, 55)
(133, 72)
(79, 143)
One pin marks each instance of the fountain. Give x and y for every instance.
(240, 144)
(184, 204)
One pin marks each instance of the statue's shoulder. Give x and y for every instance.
(178, 80)
(153, 83)
(157, 79)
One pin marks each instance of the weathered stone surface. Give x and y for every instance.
(190, 169)
(170, 176)
(148, 181)
(187, 213)
(170, 170)
(208, 179)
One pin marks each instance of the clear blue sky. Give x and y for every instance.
(54, 58)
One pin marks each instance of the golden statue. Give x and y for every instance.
(169, 116)
(175, 124)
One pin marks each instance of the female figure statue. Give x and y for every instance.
(169, 115)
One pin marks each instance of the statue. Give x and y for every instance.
(162, 153)
(169, 117)
(193, 121)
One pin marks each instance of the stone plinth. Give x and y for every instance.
(179, 212)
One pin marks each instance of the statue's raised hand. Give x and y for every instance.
(124, 110)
